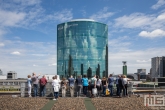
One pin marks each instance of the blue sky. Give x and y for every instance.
(28, 32)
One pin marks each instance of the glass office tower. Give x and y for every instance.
(82, 48)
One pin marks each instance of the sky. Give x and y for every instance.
(28, 32)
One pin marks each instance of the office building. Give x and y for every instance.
(11, 75)
(82, 48)
(158, 67)
(142, 73)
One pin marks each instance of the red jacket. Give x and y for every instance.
(43, 81)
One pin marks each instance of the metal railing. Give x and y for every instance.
(149, 87)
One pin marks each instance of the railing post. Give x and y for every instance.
(132, 88)
(154, 88)
(22, 89)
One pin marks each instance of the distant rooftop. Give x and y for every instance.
(82, 20)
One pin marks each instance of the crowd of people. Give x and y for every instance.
(94, 87)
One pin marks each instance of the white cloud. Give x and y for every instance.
(142, 61)
(18, 38)
(153, 34)
(64, 15)
(158, 4)
(2, 32)
(27, 2)
(119, 44)
(16, 53)
(44, 53)
(53, 64)
(2, 44)
(140, 21)
(161, 16)
(103, 14)
(18, 13)
(35, 65)
(135, 20)
(9, 18)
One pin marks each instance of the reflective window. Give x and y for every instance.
(81, 45)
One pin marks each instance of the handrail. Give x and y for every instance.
(155, 89)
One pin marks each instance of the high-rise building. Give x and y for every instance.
(82, 48)
(163, 61)
(158, 67)
(142, 73)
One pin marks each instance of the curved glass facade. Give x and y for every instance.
(81, 48)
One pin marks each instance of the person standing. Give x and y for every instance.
(110, 84)
(35, 81)
(85, 85)
(117, 86)
(125, 80)
(121, 85)
(43, 82)
(71, 85)
(104, 85)
(98, 85)
(29, 82)
(63, 85)
(56, 87)
(79, 85)
(93, 84)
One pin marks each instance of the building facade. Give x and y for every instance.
(11, 75)
(82, 48)
(158, 67)
(142, 73)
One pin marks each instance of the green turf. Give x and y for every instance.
(88, 104)
(49, 105)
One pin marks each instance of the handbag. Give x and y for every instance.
(94, 91)
(56, 89)
(107, 92)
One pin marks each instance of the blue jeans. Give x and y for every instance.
(125, 90)
(35, 89)
(121, 91)
(42, 90)
(104, 90)
(55, 95)
(110, 87)
(118, 90)
(85, 88)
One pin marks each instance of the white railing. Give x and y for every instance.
(154, 87)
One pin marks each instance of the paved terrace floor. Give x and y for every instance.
(101, 103)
